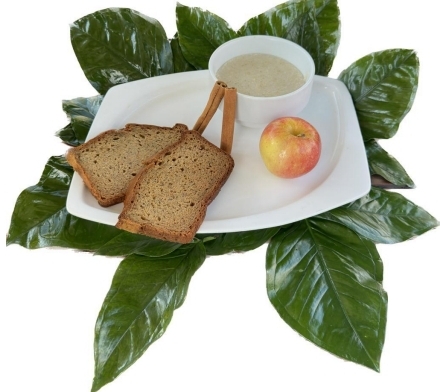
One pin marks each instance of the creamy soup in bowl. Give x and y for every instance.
(261, 75)
(263, 103)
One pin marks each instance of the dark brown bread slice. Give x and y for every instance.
(108, 162)
(169, 197)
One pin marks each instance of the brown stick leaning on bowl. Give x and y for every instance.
(229, 109)
(229, 95)
(216, 96)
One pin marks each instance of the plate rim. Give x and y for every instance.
(251, 222)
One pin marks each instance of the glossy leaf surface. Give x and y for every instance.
(119, 45)
(180, 63)
(384, 217)
(81, 112)
(200, 32)
(385, 165)
(222, 243)
(325, 282)
(313, 24)
(329, 24)
(139, 306)
(126, 243)
(283, 20)
(40, 218)
(383, 86)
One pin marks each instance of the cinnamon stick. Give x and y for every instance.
(217, 93)
(229, 108)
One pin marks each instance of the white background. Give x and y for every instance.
(226, 336)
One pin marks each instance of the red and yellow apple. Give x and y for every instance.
(290, 147)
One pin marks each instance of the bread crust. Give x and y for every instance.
(168, 234)
(72, 156)
(73, 160)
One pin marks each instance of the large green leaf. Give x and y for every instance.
(81, 112)
(40, 218)
(126, 243)
(118, 45)
(385, 165)
(313, 24)
(139, 306)
(309, 37)
(384, 217)
(180, 63)
(280, 21)
(325, 282)
(383, 87)
(329, 23)
(200, 32)
(243, 241)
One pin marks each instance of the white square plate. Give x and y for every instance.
(252, 198)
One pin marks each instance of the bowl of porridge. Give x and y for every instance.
(273, 77)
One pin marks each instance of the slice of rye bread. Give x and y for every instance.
(108, 162)
(169, 197)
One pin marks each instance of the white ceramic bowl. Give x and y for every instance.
(259, 111)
